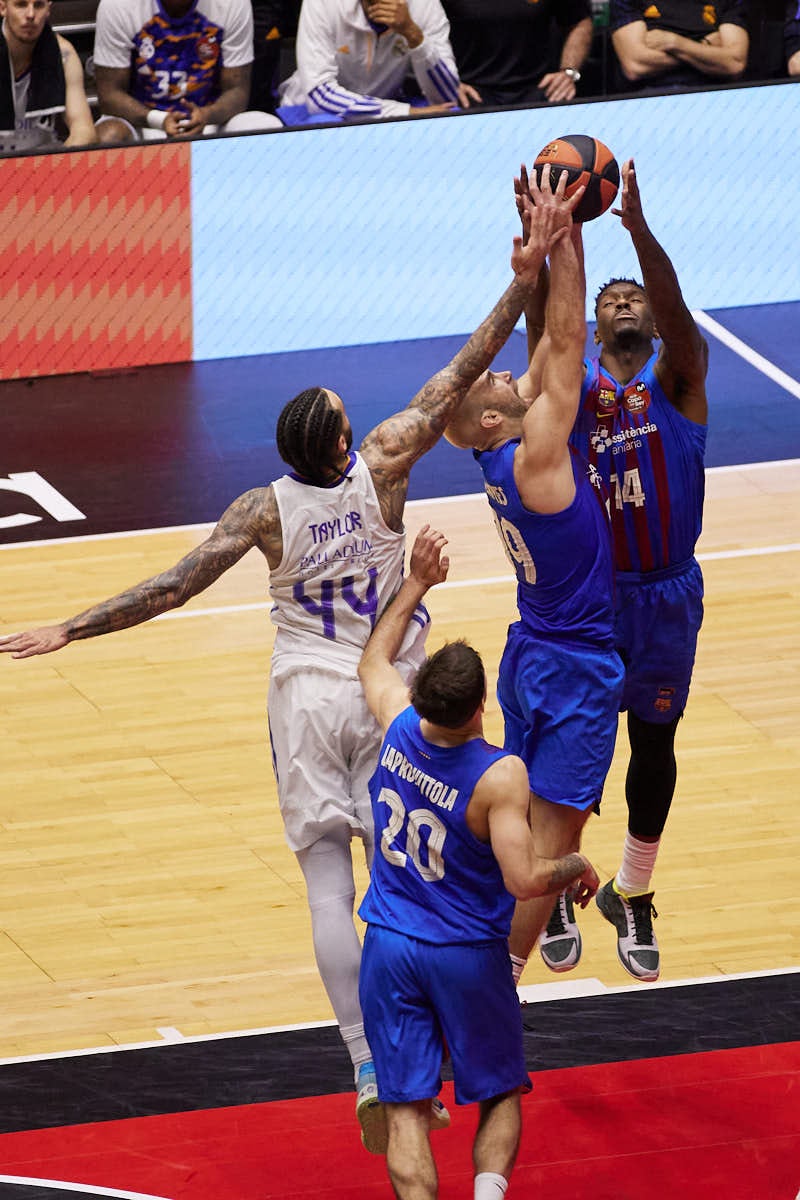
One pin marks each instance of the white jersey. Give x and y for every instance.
(346, 68)
(141, 26)
(341, 565)
(31, 130)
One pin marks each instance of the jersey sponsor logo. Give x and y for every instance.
(496, 493)
(358, 548)
(637, 398)
(602, 437)
(434, 790)
(146, 48)
(664, 699)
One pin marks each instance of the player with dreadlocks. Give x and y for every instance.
(331, 531)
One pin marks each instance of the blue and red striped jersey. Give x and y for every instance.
(650, 458)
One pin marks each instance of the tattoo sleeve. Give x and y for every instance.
(392, 448)
(565, 872)
(243, 525)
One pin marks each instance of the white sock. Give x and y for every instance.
(489, 1186)
(517, 966)
(636, 868)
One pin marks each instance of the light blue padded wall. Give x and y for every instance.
(401, 230)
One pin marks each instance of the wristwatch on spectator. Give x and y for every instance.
(572, 73)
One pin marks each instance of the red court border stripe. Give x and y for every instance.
(721, 1125)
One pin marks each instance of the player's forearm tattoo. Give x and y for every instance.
(242, 526)
(566, 871)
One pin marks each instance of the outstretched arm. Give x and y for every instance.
(529, 383)
(392, 448)
(250, 521)
(683, 359)
(542, 467)
(383, 685)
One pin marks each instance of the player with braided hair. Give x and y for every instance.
(331, 531)
(307, 432)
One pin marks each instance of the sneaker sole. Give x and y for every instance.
(561, 968)
(650, 977)
(374, 1134)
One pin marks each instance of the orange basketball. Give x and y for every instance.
(587, 162)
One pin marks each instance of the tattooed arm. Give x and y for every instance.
(392, 448)
(252, 520)
(498, 813)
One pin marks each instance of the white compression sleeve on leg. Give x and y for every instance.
(328, 871)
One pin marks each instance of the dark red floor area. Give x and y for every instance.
(723, 1125)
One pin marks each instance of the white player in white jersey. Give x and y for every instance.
(332, 535)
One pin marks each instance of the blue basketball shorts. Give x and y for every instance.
(413, 993)
(658, 619)
(560, 704)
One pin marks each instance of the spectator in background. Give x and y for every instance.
(41, 82)
(503, 47)
(354, 56)
(678, 43)
(273, 22)
(791, 37)
(174, 68)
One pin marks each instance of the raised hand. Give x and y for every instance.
(547, 218)
(630, 210)
(428, 565)
(522, 189)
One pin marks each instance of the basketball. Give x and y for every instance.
(587, 162)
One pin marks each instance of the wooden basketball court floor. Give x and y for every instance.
(147, 895)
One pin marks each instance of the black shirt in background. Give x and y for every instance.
(503, 47)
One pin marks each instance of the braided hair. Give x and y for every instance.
(307, 435)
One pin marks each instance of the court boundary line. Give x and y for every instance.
(453, 584)
(79, 539)
(543, 993)
(86, 1189)
(751, 356)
